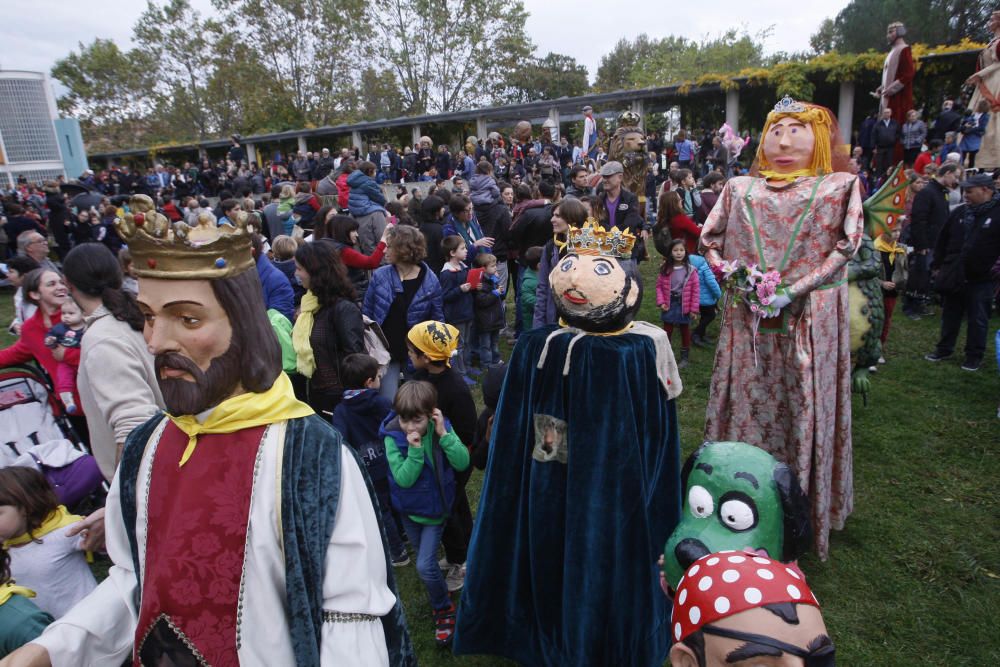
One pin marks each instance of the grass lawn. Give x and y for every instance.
(914, 579)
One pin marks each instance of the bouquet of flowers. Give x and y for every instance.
(757, 289)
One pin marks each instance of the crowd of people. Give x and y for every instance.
(353, 266)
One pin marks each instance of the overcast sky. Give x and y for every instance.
(36, 33)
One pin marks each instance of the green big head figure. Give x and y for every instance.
(737, 496)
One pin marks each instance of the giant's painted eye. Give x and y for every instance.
(794, 130)
(738, 512)
(700, 502)
(602, 269)
(566, 266)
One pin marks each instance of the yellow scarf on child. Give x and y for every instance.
(9, 589)
(305, 361)
(892, 248)
(57, 518)
(247, 410)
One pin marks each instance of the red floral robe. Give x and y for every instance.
(793, 398)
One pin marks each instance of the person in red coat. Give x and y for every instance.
(670, 215)
(46, 289)
(343, 189)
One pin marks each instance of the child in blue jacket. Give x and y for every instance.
(422, 462)
(709, 294)
(358, 418)
(457, 297)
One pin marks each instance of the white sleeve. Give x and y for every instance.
(100, 629)
(355, 579)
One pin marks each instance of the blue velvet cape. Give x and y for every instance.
(562, 566)
(310, 492)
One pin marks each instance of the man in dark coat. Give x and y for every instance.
(885, 134)
(927, 217)
(949, 121)
(966, 250)
(617, 207)
(58, 216)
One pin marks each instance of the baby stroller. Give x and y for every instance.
(35, 432)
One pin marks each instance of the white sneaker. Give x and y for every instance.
(455, 578)
(444, 564)
(881, 360)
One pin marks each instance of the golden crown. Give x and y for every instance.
(593, 239)
(180, 251)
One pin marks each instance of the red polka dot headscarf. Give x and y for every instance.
(723, 584)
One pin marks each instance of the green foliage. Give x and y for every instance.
(547, 78)
(449, 54)
(615, 70)
(861, 25)
(676, 59)
(102, 82)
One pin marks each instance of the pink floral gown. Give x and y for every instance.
(794, 398)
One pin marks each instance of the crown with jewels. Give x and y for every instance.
(787, 105)
(592, 239)
(180, 251)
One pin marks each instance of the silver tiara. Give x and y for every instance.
(788, 105)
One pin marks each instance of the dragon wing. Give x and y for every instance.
(885, 208)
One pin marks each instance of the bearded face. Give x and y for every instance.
(204, 389)
(200, 357)
(594, 293)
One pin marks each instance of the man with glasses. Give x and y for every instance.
(36, 246)
(734, 609)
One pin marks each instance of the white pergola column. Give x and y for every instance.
(251, 153)
(555, 130)
(414, 134)
(638, 107)
(733, 109)
(845, 110)
(356, 142)
(481, 131)
(302, 144)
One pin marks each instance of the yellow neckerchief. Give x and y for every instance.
(560, 244)
(790, 176)
(9, 589)
(57, 518)
(305, 361)
(892, 248)
(244, 411)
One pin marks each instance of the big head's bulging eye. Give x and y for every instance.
(566, 266)
(602, 269)
(700, 502)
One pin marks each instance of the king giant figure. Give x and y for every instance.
(242, 529)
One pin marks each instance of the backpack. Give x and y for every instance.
(376, 344)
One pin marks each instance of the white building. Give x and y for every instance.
(29, 145)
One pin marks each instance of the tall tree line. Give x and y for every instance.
(272, 65)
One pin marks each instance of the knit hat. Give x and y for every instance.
(724, 584)
(437, 340)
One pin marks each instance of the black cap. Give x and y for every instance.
(979, 181)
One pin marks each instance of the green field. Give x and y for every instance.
(914, 579)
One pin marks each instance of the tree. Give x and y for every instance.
(305, 46)
(673, 60)
(105, 89)
(615, 70)
(449, 54)
(861, 25)
(547, 78)
(823, 39)
(378, 95)
(186, 48)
